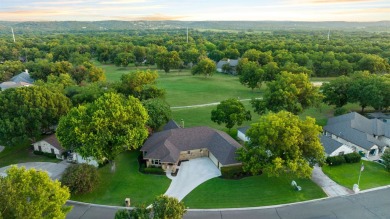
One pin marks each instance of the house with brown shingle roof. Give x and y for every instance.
(50, 144)
(168, 147)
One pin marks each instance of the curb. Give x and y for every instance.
(97, 205)
(233, 209)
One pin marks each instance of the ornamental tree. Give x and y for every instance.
(32, 194)
(280, 143)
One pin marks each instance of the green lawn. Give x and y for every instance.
(126, 182)
(373, 175)
(250, 192)
(21, 153)
(201, 116)
(186, 89)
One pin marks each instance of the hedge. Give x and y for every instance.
(153, 170)
(346, 158)
(352, 157)
(50, 155)
(335, 161)
(233, 172)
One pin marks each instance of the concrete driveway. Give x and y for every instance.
(191, 174)
(54, 170)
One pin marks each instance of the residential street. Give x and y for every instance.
(372, 204)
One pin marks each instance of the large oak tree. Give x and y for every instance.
(27, 112)
(104, 128)
(282, 144)
(290, 92)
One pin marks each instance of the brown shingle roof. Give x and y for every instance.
(52, 140)
(167, 145)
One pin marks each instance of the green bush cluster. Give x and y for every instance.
(49, 155)
(153, 170)
(233, 172)
(80, 178)
(352, 157)
(346, 158)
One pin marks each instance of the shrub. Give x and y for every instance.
(168, 207)
(352, 157)
(80, 178)
(38, 152)
(233, 172)
(122, 214)
(386, 159)
(340, 111)
(335, 161)
(153, 170)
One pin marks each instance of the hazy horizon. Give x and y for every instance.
(201, 10)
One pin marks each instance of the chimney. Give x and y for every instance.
(26, 70)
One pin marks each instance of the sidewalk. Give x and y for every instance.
(331, 188)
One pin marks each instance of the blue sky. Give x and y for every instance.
(278, 10)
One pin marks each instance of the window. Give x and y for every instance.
(156, 162)
(188, 152)
(341, 153)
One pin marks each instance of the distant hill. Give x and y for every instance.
(71, 26)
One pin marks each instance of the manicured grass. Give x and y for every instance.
(186, 89)
(250, 192)
(373, 175)
(125, 182)
(22, 153)
(201, 116)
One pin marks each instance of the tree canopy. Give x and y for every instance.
(140, 84)
(290, 92)
(230, 112)
(251, 75)
(205, 67)
(32, 194)
(27, 112)
(104, 128)
(159, 112)
(282, 144)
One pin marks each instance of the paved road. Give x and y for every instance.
(366, 205)
(54, 170)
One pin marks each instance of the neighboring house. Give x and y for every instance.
(231, 63)
(21, 80)
(50, 144)
(381, 116)
(333, 147)
(167, 148)
(360, 134)
(241, 133)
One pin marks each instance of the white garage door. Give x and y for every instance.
(214, 159)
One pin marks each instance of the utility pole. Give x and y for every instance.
(13, 35)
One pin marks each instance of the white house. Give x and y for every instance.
(333, 147)
(50, 144)
(360, 134)
(241, 133)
